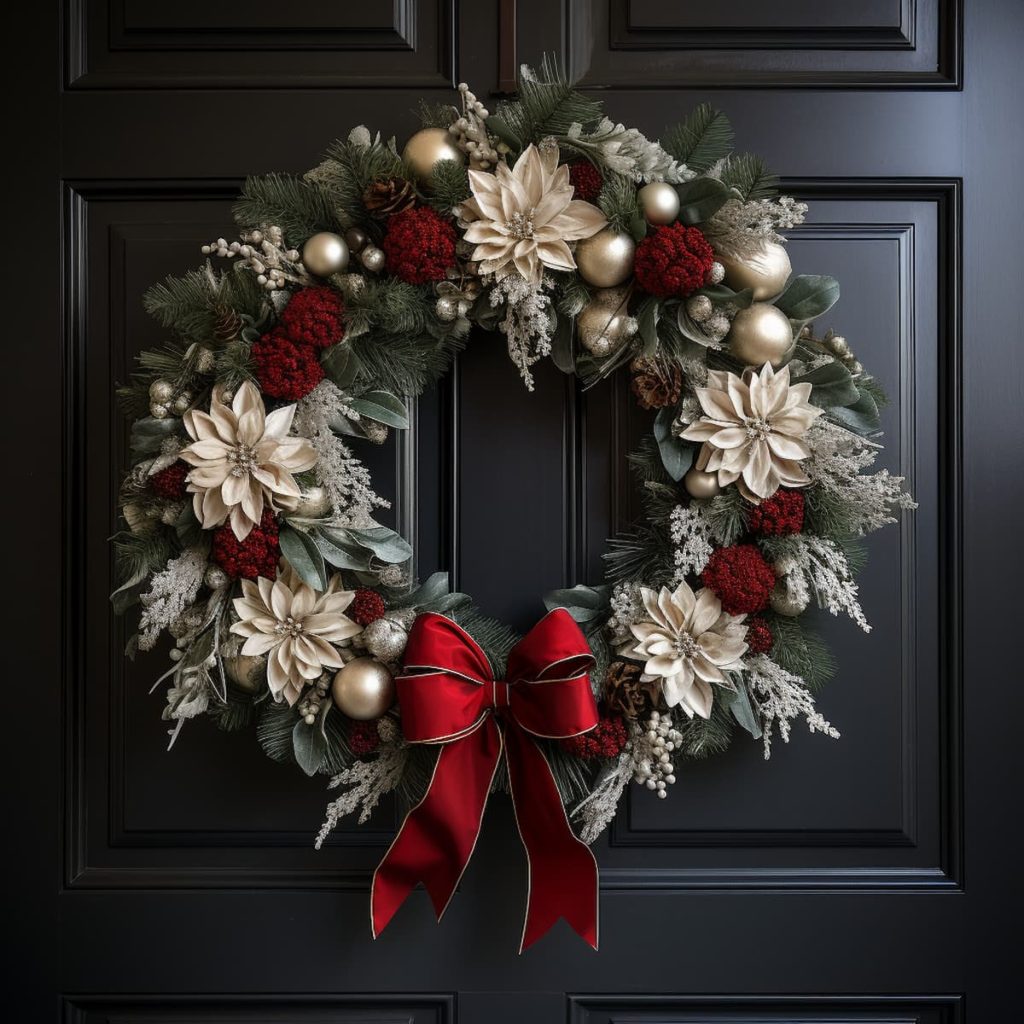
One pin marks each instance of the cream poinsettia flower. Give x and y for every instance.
(241, 459)
(686, 643)
(525, 215)
(295, 626)
(752, 429)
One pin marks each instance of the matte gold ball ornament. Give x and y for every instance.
(606, 259)
(246, 671)
(766, 272)
(760, 334)
(363, 689)
(428, 147)
(659, 203)
(325, 253)
(604, 323)
(699, 484)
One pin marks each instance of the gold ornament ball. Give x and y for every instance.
(766, 272)
(604, 323)
(363, 689)
(245, 671)
(314, 503)
(760, 334)
(699, 484)
(606, 259)
(659, 202)
(325, 253)
(428, 147)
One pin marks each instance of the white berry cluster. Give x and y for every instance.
(471, 133)
(309, 706)
(653, 758)
(264, 252)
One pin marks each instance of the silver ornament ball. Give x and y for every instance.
(760, 334)
(314, 503)
(428, 147)
(659, 202)
(447, 308)
(699, 307)
(161, 392)
(372, 258)
(699, 484)
(766, 272)
(606, 259)
(716, 275)
(385, 639)
(363, 689)
(325, 253)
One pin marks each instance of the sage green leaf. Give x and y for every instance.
(831, 384)
(384, 543)
(340, 365)
(647, 324)
(700, 198)
(148, 434)
(689, 328)
(808, 296)
(721, 294)
(304, 556)
(309, 744)
(676, 455)
(583, 603)
(562, 344)
(339, 550)
(861, 417)
(430, 590)
(738, 702)
(383, 407)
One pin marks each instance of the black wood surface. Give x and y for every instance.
(875, 879)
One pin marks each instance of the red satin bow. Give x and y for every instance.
(448, 695)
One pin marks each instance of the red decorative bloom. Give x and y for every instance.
(257, 555)
(759, 636)
(313, 317)
(367, 606)
(782, 513)
(675, 260)
(606, 740)
(419, 245)
(170, 482)
(286, 369)
(740, 577)
(586, 180)
(363, 737)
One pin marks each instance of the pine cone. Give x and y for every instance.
(383, 198)
(227, 326)
(625, 694)
(655, 384)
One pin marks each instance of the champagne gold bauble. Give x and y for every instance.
(699, 484)
(659, 202)
(325, 253)
(372, 258)
(363, 689)
(426, 148)
(314, 503)
(245, 671)
(760, 334)
(766, 272)
(606, 259)
(604, 323)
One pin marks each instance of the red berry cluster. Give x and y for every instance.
(366, 607)
(257, 555)
(419, 245)
(170, 482)
(313, 316)
(759, 636)
(284, 368)
(606, 740)
(675, 260)
(741, 578)
(363, 738)
(782, 513)
(586, 180)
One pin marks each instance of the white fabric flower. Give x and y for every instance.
(686, 643)
(241, 458)
(752, 429)
(526, 215)
(294, 626)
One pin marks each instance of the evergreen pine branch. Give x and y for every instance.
(137, 555)
(727, 514)
(618, 201)
(449, 186)
(404, 364)
(703, 139)
(234, 714)
(800, 650)
(436, 115)
(703, 737)
(749, 175)
(643, 553)
(298, 206)
(350, 168)
(875, 389)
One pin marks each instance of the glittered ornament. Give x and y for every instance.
(385, 639)
(699, 307)
(363, 689)
(766, 272)
(372, 258)
(161, 392)
(314, 503)
(786, 600)
(716, 275)
(699, 484)
(606, 259)
(246, 671)
(604, 323)
(159, 411)
(181, 404)
(447, 308)
(760, 334)
(325, 253)
(428, 147)
(659, 202)
(215, 577)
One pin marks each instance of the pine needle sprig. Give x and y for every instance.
(449, 186)
(800, 650)
(703, 139)
(298, 206)
(350, 168)
(749, 175)
(618, 202)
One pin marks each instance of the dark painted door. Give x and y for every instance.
(871, 880)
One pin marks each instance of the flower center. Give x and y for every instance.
(290, 627)
(243, 460)
(686, 646)
(758, 428)
(520, 225)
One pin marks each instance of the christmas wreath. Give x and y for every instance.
(250, 534)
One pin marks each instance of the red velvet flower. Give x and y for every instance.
(605, 740)
(363, 737)
(257, 555)
(313, 317)
(419, 245)
(586, 180)
(782, 513)
(740, 577)
(367, 606)
(170, 482)
(674, 260)
(759, 636)
(286, 369)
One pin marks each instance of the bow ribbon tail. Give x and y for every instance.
(438, 835)
(563, 872)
